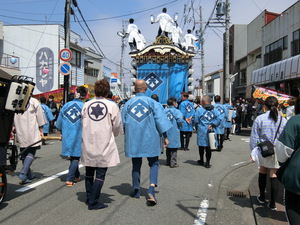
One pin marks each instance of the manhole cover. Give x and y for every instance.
(234, 193)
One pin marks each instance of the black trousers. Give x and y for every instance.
(292, 207)
(207, 153)
(185, 137)
(160, 32)
(220, 140)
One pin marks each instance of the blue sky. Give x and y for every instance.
(104, 18)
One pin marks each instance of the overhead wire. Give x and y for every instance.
(99, 49)
(93, 20)
(28, 2)
(40, 37)
(30, 13)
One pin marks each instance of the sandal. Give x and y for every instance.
(70, 183)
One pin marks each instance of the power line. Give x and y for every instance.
(30, 13)
(133, 13)
(87, 35)
(77, 6)
(28, 2)
(40, 37)
(93, 20)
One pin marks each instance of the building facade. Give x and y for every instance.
(38, 47)
(245, 52)
(213, 82)
(272, 56)
(93, 69)
(9, 63)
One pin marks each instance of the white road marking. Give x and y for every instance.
(239, 163)
(246, 139)
(202, 213)
(36, 184)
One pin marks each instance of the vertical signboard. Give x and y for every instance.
(44, 59)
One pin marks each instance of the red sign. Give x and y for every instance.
(65, 54)
(262, 93)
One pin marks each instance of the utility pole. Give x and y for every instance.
(67, 45)
(122, 60)
(226, 74)
(202, 53)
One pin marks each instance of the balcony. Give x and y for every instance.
(9, 61)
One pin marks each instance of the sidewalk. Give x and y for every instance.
(237, 198)
(262, 213)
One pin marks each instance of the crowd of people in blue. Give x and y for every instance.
(88, 131)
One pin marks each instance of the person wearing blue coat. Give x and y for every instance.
(228, 121)
(220, 129)
(69, 123)
(188, 111)
(206, 119)
(176, 118)
(144, 120)
(48, 116)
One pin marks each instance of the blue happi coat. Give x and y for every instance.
(188, 110)
(48, 116)
(144, 120)
(176, 118)
(69, 122)
(222, 116)
(228, 124)
(205, 116)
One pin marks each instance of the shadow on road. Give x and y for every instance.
(105, 198)
(192, 162)
(263, 211)
(126, 189)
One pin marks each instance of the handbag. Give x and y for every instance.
(266, 147)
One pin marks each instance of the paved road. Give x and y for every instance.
(189, 194)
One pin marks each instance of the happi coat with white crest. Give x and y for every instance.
(188, 110)
(222, 116)
(69, 122)
(176, 118)
(101, 123)
(144, 121)
(205, 116)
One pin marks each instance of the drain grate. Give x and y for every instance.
(238, 194)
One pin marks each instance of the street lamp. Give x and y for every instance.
(231, 80)
(120, 34)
